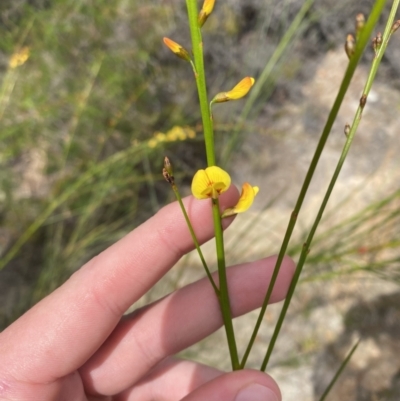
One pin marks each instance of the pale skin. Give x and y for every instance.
(76, 345)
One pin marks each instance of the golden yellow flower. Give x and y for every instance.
(190, 133)
(152, 143)
(19, 57)
(240, 90)
(160, 136)
(206, 10)
(177, 49)
(245, 201)
(210, 183)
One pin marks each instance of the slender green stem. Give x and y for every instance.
(361, 44)
(223, 287)
(197, 44)
(346, 148)
(339, 371)
(196, 242)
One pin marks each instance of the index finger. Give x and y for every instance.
(63, 330)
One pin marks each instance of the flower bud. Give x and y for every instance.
(177, 49)
(377, 42)
(363, 100)
(205, 12)
(395, 26)
(349, 46)
(347, 129)
(360, 22)
(168, 166)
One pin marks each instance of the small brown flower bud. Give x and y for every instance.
(377, 42)
(169, 178)
(363, 101)
(168, 166)
(168, 172)
(349, 46)
(360, 22)
(347, 129)
(396, 26)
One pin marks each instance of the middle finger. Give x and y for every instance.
(172, 324)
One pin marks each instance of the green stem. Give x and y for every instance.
(197, 45)
(361, 44)
(339, 371)
(196, 242)
(223, 288)
(346, 148)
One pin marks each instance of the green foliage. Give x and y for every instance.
(76, 119)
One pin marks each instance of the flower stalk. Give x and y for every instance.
(169, 177)
(197, 47)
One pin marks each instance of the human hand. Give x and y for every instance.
(75, 345)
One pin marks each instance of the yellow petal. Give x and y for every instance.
(240, 90)
(210, 183)
(245, 201)
(173, 46)
(208, 6)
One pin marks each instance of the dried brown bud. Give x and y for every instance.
(363, 101)
(347, 129)
(377, 42)
(349, 46)
(396, 26)
(168, 166)
(169, 178)
(168, 172)
(360, 22)
(379, 39)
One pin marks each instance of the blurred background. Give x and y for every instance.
(90, 103)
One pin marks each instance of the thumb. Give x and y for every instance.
(242, 385)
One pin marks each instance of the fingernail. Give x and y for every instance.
(256, 392)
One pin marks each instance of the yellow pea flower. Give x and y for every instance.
(245, 201)
(210, 183)
(19, 57)
(177, 49)
(206, 10)
(239, 91)
(152, 143)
